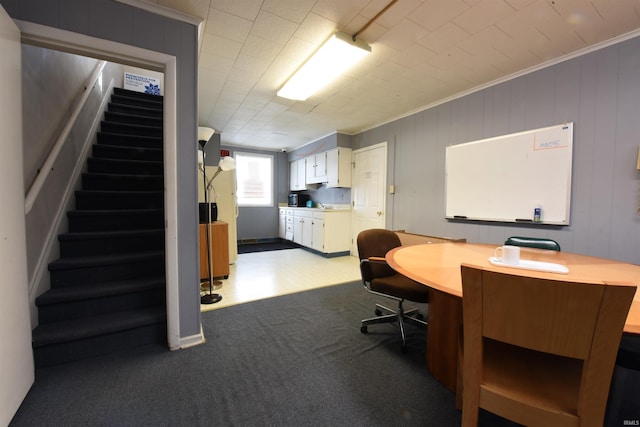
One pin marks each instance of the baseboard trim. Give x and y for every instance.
(190, 341)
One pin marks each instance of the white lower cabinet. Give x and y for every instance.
(282, 223)
(302, 223)
(288, 219)
(317, 234)
(332, 231)
(325, 231)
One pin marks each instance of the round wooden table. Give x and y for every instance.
(438, 267)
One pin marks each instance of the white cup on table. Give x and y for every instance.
(508, 255)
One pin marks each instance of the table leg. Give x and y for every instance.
(445, 321)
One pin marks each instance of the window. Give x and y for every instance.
(254, 173)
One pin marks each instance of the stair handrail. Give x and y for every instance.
(47, 166)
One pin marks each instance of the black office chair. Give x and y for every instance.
(533, 242)
(624, 401)
(380, 279)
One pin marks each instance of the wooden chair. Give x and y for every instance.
(380, 279)
(533, 242)
(539, 352)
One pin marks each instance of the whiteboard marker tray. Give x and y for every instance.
(533, 265)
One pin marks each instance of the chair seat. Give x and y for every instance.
(401, 287)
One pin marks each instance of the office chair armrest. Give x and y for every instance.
(373, 267)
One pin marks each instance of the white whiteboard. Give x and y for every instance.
(506, 177)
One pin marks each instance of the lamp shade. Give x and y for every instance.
(227, 163)
(204, 134)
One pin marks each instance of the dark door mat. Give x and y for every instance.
(248, 248)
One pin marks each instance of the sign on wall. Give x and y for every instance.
(140, 83)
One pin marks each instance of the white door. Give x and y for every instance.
(368, 190)
(16, 355)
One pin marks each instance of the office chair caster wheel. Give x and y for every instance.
(378, 312)
(363, 329)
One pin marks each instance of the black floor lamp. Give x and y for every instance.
(204, 134)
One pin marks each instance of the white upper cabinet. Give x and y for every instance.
(339, 167)
(331, 167)
(297, 178)
(317, 168)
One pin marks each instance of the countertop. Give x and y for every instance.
(328, 208)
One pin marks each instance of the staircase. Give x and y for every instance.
(108, 286)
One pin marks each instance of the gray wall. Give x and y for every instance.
(117, 22)
(52, 85)
(262, 222)
(599, 92)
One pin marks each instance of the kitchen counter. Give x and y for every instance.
(328, 208)
(323, 230)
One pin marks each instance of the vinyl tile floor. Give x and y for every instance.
(262, 275)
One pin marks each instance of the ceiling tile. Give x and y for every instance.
(247, 9)
(274, 28)
(482, 15)
(229, 26)
(414, 55)
(260, 48)
(315, 29)
(530, 17)
(292, 10)
(423, 52)
(436, 13)
(339, 11)
(220, 46)
(443, 38)
(404, 35)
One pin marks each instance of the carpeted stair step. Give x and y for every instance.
(129, 140)
(95, 199)
(88, 270)
(134, 119)
(128, 97)
(74, 302)
(95, 243)
(110, 182)
(108, 289)
(129, 129)
(105, 151)
(126, 167)
(134, 109)
(138, 95)
(111, 220)
(136, 102)
(72, 340)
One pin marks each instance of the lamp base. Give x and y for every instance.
(204, 285)
(210, 298)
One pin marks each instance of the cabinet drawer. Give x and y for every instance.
(303, 213)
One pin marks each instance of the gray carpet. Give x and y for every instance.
(296, 360)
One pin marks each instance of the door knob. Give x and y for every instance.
(379, 213)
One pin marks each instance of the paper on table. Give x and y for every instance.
(532, 265)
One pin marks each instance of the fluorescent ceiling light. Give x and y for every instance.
(335, 56)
